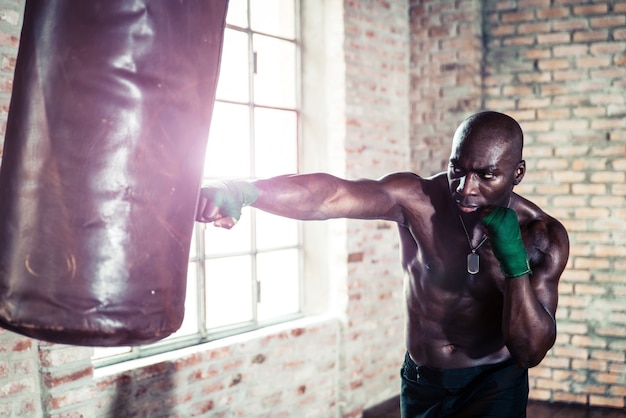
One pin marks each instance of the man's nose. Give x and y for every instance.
(467, 185)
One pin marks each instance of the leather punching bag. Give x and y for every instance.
(106, 134)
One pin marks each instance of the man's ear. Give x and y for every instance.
(519, 172)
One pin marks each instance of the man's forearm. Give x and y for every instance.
(528, 327)
(301, 197)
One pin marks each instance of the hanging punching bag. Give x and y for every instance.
(106, 134)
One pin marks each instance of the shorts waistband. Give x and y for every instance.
(448, 378)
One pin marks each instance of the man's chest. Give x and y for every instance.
(446, 260)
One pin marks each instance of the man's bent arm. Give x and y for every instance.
(530, 302)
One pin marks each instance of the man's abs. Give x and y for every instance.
(433, 349)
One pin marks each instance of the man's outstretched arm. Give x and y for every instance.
(316, 196)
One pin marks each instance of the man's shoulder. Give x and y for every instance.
(531, 212)
(415, 182)
(545, 228)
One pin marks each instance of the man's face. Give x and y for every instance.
(482, 170)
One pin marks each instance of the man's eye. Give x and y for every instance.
(488, 176)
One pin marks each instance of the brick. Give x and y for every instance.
(518, 41)
(567, 397)
(12, 17)
(504, 30)
(611, 332)
(595, 400)
(554, 38)
(595, 365)
(556, 90)
(569, 75)
(573, 328)
(16, 388)
(590, 9)
(591, 213)
(553, 164)
(576, 275)
(608, 151)
(607, 177)
(572, 151)
(593, 62)
(511, 17)
(535, 27)
(616, 367)
(589, 111)
(617, 73)
(569, 25)
(590, 36)
(534, 103)
(553, 385)
(607, 201)
(589, 189)
(552, 13)
(607, 21)
(543, 77)
(59, 355)
(591, 263)
(606, 48)
(591, 290)
(572, 301)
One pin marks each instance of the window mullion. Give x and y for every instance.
(255, 285)
(201, 280)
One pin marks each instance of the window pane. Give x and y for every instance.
(238, 13)
(222, 241)
(275, 78)
(274, 17)
(228, 291)
(276, 142)
(275, 232)
(278, 273)
(228, 149)
(233, 83)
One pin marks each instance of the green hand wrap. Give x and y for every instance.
(230, 196)
(506, 242)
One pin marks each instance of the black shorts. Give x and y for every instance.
(494, 390)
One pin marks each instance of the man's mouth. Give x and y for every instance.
(464, 207)
(467, 208)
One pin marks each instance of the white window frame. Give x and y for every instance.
(204, 334)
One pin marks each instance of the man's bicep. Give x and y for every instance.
(322, 196)
(367, 199)
(552, 263)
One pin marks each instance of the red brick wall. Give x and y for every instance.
(284, 373)
(559, 67)
(376, 143)
(446, 76)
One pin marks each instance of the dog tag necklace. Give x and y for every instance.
(473, 260)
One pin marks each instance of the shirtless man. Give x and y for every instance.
(481, 264)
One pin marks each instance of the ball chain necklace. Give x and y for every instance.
(473, 259)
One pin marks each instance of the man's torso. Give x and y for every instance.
(454, 318)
